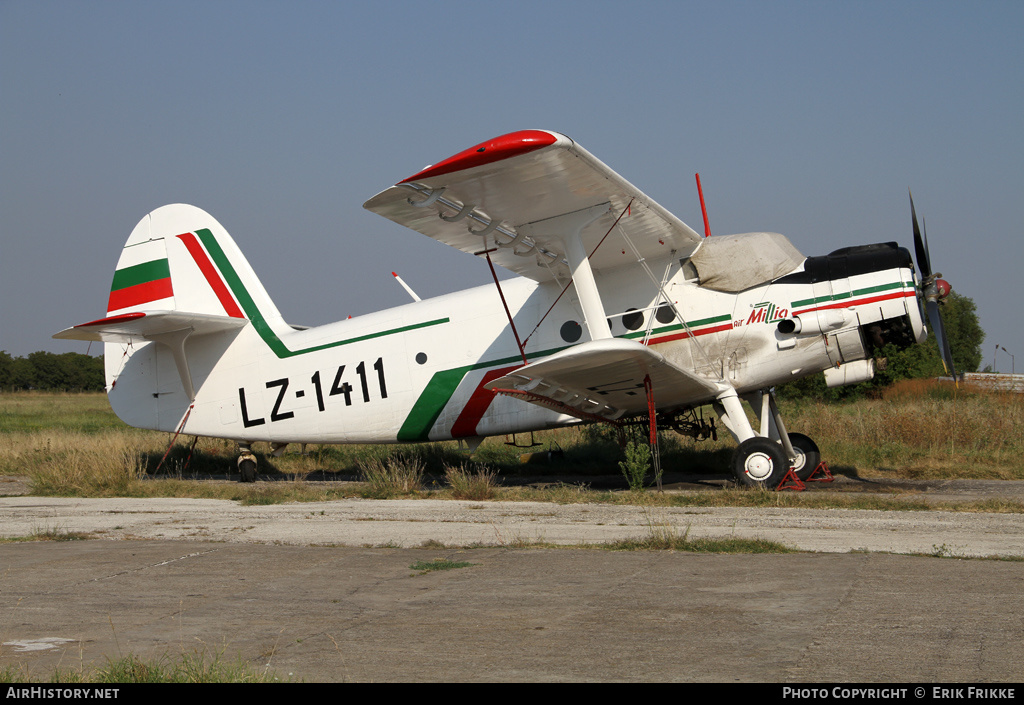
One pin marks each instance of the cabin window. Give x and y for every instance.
(571, 331)
(633, 321)
(665, 314)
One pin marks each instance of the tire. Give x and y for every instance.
(759, 462)
(247, 469)
(807, 455)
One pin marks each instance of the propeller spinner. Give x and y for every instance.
(933, 291)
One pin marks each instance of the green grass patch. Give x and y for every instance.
(189, 667)
(669, 541)
(49, 534)
(438, 564)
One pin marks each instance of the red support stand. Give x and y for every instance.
(825, 475)
(791, 482)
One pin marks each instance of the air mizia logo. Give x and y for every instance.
(767, 312)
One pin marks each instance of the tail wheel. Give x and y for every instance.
(760, 462)
(247, 468)
(807, 455)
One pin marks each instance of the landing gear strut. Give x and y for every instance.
(764, 458)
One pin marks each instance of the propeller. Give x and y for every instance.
(933, 290)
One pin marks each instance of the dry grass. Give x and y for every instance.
(72, 444)
(392, 476)
(480, 483)
(920, 429)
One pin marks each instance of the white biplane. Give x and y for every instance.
(620, 312)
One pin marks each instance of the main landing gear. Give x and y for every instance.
(807, 455)
(763, 459)
(759, 461)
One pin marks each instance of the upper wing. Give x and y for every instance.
(503, 190)
(604, 379)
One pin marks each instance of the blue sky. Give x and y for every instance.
(807, 118)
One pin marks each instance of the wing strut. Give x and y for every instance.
(579, 267)
(566, 287)
(652, 416)
(508, 313)
(668, 300)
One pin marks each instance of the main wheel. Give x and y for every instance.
(807, 455)
(759, 461)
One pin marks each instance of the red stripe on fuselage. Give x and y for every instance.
(858, 302)
(477, 405)
(684, 334)
(211, 274)
(471, 414)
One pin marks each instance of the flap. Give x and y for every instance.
(505, 189)
(605, 379)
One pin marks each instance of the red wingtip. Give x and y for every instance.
(504, 147)
(113, 320)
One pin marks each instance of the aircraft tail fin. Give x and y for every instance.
(180, 258)
(180, 276)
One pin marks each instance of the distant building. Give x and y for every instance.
(993, 381)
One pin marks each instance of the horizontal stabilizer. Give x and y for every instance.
(147, 325)
(604, 379)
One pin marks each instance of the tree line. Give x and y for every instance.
(69, 372)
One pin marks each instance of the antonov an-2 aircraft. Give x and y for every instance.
(620, 312)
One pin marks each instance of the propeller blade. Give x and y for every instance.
(920, 245)
(940, 337)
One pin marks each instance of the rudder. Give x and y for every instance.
(180, 258)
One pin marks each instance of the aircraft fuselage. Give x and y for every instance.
(416, 372)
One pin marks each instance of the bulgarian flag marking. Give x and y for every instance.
(140, 284)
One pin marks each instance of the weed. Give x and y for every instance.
(477, 485)
(668, 538)
(636, 464)
(392, 476)
(943, 551)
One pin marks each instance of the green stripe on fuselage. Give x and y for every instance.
(428, 407)
(848, 295)
(442, 385)
(679, 326)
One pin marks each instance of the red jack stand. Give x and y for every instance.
(822, 468)
(790, 482)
